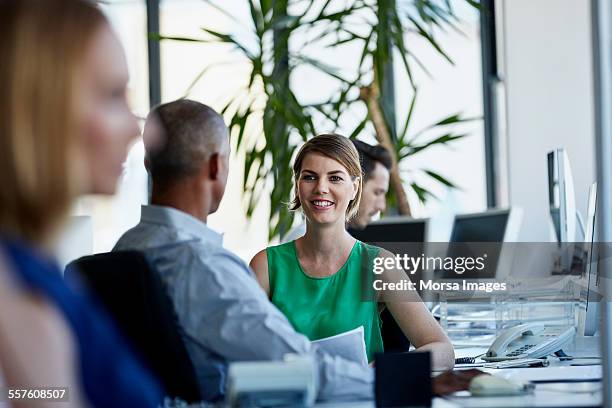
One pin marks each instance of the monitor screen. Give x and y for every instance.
(392, 229)
(487, 227)
(481, 227)
(561, 196)
(398, 235)
(591, 269)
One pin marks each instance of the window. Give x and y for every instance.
(98, 221)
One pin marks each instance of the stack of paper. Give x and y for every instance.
(349, 345)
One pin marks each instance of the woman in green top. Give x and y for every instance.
(316, 280)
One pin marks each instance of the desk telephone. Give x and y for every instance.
(532, 340)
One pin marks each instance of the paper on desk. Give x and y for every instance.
(349, 345)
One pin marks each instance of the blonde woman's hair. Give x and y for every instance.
(42, 48)
(336, 147)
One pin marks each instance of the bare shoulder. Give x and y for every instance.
(260, 260)
(259, 264)
(383, 253)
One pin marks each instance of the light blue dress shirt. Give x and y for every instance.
(224, 313)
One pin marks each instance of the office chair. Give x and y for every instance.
(134, 295)
(394, 340)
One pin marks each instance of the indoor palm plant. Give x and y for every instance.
(281, 122)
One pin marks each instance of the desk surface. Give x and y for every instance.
(584, 394)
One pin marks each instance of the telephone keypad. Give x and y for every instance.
(521, 350)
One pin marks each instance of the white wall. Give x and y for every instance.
(547, 64)
(75, 240)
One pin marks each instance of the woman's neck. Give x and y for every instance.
(325, 241)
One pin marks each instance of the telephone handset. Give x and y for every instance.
(531, 340)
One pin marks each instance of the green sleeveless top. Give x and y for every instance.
(323, 307)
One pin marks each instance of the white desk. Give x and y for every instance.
(587, 394)
(545, 395)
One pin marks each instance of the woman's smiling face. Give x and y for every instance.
(325, 189)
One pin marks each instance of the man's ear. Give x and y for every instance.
(213, 166)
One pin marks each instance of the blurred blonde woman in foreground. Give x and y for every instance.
(65, 127)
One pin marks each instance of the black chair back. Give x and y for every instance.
(134, 295)
(394, 340)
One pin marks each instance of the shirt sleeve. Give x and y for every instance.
(231, 315)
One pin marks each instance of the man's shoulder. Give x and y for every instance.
(161, 245)
(213, 252)
(130, 239)
(146, 236)
(210, 268)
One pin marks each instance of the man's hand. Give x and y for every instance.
(453, 381)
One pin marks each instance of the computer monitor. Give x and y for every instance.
(398, 235)
(393, 229)
(488, 226)
(484, 231)
(593, 298)
(561, 196)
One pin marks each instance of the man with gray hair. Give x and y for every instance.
(223, 313)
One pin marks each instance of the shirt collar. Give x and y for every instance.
(173, 218)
